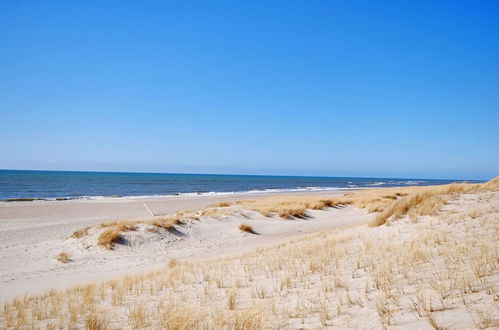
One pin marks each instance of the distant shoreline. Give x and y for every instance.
(180, 195)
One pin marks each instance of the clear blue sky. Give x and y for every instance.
(341, 88)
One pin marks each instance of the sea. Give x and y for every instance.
(18, 185)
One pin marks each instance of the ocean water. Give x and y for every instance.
(16, 184)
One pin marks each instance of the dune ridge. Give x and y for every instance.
(432, 264)
(390, 203)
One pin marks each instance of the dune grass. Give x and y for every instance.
(390, 203)
(437, 272)
(284, 207)
(121, 226)
(428, 200)
(422, 203)
(166, 223)
(246, 228)
(289, 207)
(64, 257)
(109, 237)
(221, 204)
(112, 231)
(81, 232)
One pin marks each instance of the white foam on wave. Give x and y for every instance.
(246, 192)
(377, 183)
(240, 192)
(214, 193)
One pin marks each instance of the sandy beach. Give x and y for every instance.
(32, 234)
(412, 257)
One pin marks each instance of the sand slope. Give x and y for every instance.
(438, 270)
(29, 247)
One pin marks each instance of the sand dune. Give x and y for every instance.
(30, 245)
(432, 263)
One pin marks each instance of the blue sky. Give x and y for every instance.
(341, 88)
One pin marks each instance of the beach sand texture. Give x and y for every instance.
(32, 234)
(430, 262)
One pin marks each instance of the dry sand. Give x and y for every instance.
(32, 234)
(328, 270)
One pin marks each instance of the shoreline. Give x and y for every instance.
(132, 207)
(63, 185)
(192, 194)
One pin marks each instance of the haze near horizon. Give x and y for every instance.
(329, 89)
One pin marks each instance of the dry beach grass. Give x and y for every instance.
(64, 257)
(392, 203)
(246, 228)
(430, 261)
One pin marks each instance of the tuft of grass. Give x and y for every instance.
(428, 200)
(64, 257)
(492, 184)
(222, 204)
(474, 213)
(126, 226)
(121, 225)
(80, 232)
(109, 237)
(138, 317)
(289, 207)
(246, 228)
(94, 321)
(232, 300)
(175, 317)
(168, 224)
(172, 263)
(112, 234)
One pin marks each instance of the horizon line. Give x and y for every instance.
(239, 174)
